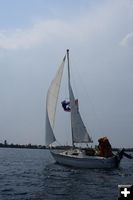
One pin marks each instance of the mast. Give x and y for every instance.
(69, 85)
(68, 67)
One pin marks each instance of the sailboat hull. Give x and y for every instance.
(90, 162)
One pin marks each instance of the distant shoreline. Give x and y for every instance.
(22, 146)
(30, 146)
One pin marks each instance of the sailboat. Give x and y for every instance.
(74, 157)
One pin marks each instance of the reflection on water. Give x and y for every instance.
(32, 174)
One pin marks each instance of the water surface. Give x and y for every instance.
(27, 174)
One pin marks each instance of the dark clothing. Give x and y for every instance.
(66, 105)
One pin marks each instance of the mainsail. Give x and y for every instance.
(79, 131)
(51, 104)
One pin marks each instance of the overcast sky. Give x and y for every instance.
(34, 35)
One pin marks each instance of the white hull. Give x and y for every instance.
(82, 161)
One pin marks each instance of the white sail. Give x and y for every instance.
(51, 104)
(79, 131)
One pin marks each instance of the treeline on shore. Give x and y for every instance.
(22, 146)
(31, 146)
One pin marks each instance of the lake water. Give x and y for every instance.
(27, 174)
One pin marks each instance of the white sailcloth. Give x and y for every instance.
(79, 131)
(51, 104)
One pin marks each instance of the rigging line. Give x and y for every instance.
(74, 82)
(89, 99)
(83, 93)
(80, 82)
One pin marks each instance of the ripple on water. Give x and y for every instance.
(33, 175)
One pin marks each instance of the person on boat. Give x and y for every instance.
(66, 105)
(105, 149)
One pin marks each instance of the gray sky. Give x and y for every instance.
(33, 39)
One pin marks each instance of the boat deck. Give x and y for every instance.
(77, 153)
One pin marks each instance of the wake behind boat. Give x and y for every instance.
(76, 157)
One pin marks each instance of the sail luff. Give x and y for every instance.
(51, 104)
